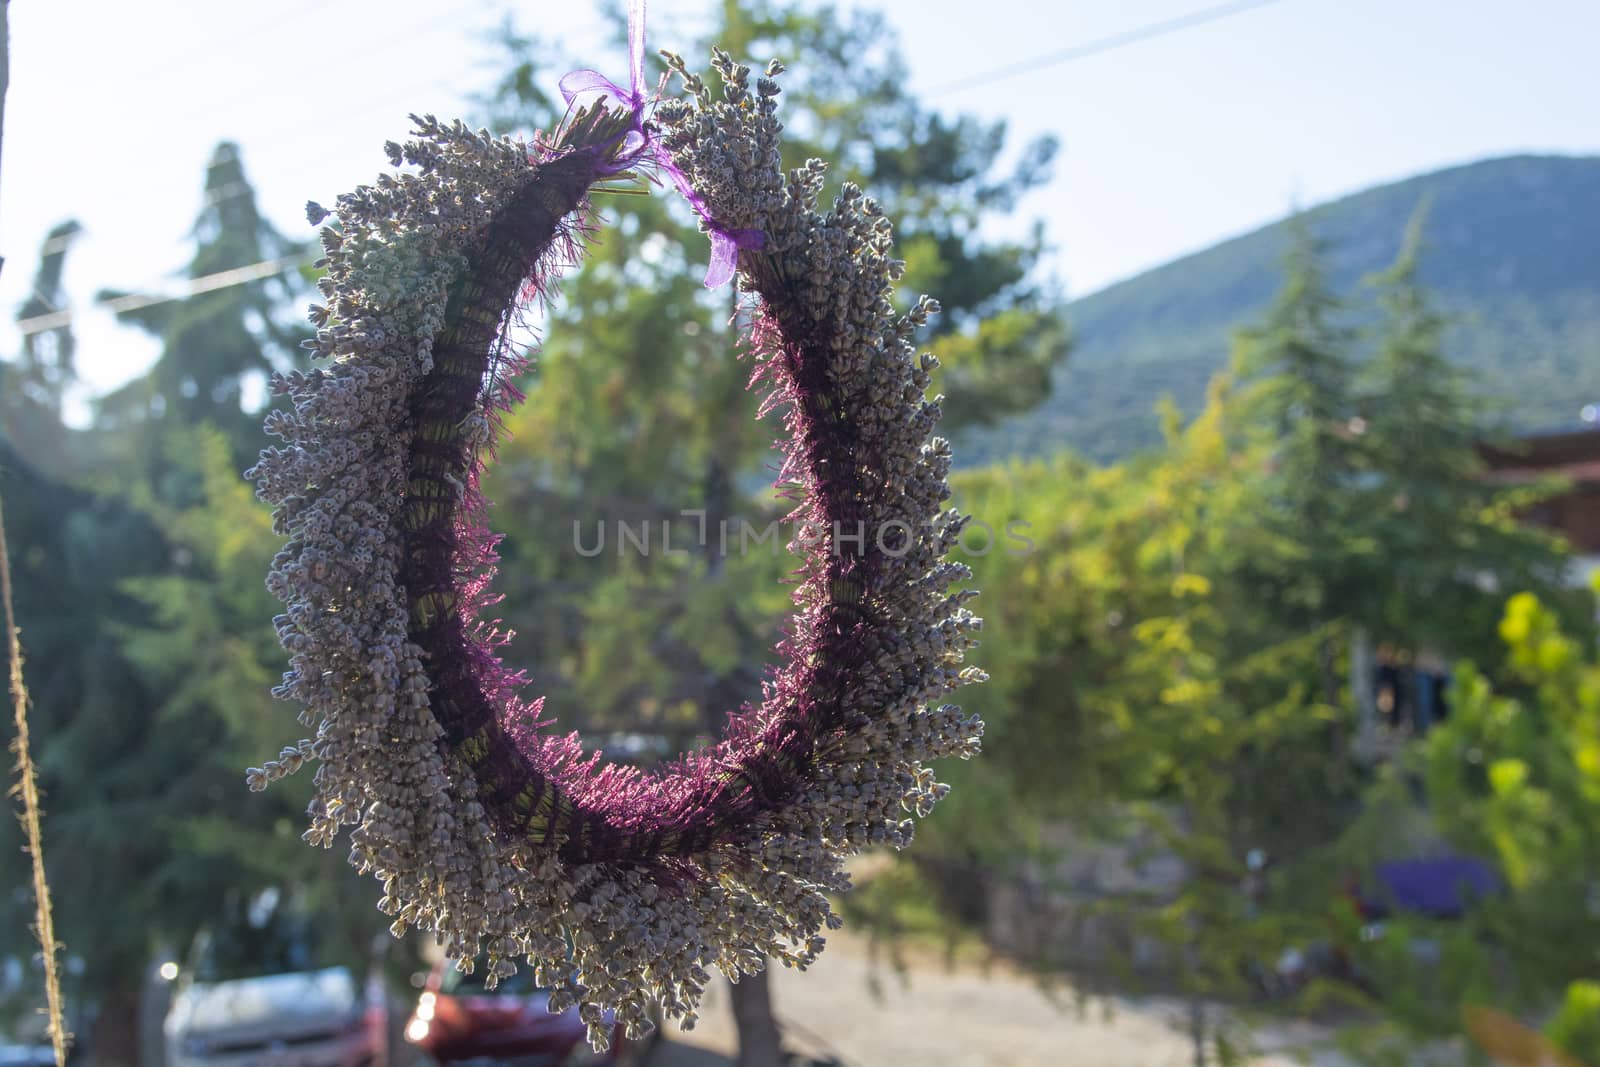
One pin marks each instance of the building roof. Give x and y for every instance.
(1572, 453)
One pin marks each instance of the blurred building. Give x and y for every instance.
(1401, 693)
(1573, 456)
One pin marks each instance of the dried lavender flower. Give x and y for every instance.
(484, 829)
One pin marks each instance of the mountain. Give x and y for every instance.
(1511, 251)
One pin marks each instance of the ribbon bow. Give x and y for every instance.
(639, 144)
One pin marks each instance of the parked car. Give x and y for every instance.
(1441, 889)
(27, 1055)
(460, 1023)
(1437, 887)
(298, 1019)
(259, 993)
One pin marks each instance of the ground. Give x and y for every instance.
(860, 1013)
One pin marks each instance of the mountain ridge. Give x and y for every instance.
(1511, 253)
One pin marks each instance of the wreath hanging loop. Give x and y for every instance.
(619, 886)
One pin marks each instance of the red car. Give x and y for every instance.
(460, 1023)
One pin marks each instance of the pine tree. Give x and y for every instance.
(1300, 373)
(1309, 548)
(151, 657)
(32, 388)
(1450, 545)
(48, 363)
(71, 549)
(220, 343)
(150, 648)
(639, 401)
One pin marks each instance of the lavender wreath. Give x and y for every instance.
(619, 886)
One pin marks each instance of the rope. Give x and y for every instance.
(28, 788)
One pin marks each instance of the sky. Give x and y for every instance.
(1169, 143)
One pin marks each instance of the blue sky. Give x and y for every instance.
(1169, 144)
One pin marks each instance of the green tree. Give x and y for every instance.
(32, 388)
(151, 660)
(151, 654)
(1443, 526)
(1310, 551)
(219, 344)
(1513, 777)
(1164, 654)
(640, 410)
(71, 548)
(1142, 697)
(634, 321)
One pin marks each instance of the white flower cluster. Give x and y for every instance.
(833, 759)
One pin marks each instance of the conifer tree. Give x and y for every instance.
(150, 650)
(1451, 545)
(31, 389)
(151, 658)
(48, 363)
(219, 343)
(1300, 373)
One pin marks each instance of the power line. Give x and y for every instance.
(230, 191)
(267, 268)
(1103, 44)
(298, 15)
(302, 16)
(419, 30)
(58, 317)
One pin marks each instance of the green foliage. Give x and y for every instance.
(71, 549)
(1299, 400)
(1512, 776)
(1168, 666)
(208, 653)
(139, 556)
(639, 412)
(1441, 523)
(151, 679)
(1137, 687)
(218, 344)
(1166, 635)
(1576, 1028)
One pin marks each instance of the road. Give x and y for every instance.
(860, 1013)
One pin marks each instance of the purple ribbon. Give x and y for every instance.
(636, 142)
(639, 144)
